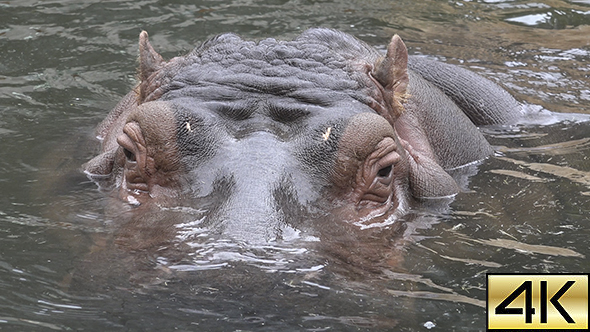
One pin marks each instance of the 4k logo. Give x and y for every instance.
(540, 301)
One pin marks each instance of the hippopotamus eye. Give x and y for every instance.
(385, 171)
(129, 155)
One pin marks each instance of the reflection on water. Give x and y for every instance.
(67, 262)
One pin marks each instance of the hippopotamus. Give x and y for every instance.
(257, 135)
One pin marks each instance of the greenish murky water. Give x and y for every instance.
(64, 265)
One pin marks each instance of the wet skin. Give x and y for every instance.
(261, 137)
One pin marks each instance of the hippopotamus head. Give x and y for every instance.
(258, 135)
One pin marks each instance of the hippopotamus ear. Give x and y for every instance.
(149, 60)
(391, 72)
(149, 63)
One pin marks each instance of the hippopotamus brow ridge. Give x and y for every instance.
(276, 67)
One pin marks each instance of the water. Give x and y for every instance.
(66, 265)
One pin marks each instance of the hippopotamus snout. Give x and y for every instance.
(261, 180)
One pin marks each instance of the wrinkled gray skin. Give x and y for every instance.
(262, 135)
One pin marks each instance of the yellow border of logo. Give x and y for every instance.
(537, 302)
